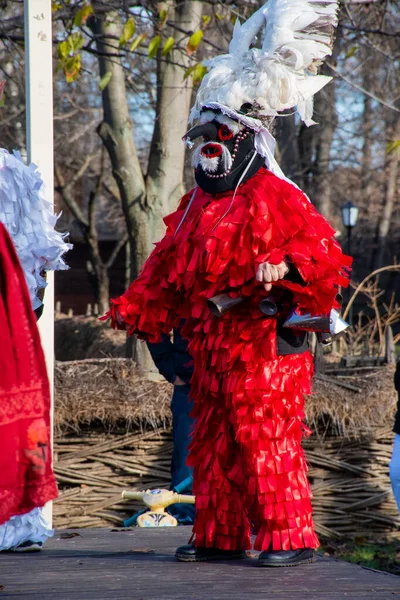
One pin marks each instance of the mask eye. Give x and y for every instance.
(224, 133)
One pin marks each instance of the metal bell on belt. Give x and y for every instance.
(331, 324)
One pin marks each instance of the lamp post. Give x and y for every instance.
(349, 218)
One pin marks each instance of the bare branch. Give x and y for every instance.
(64, 189)
(65, 116)
(94, 194)
(79, 174)
(120, 244)
(361, 89)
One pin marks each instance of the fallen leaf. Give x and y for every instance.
(67, 536)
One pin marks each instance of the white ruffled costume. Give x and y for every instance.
(32, 526)
(30, 221)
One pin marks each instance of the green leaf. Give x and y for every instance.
(2, 96)
(154, 46)
(163, 17)
(87, 10)
(129, 29)
(128, 33)
(198, 73)
(78, 19)
(392, 146)
(75, 41)
(189, 71)
(72, 68)
(105, 80)
(351, 52)
(194, 41)
(82, 15)
(168, 46)
(205, 19)
(55, 6)
(137, 41)
(63, 49)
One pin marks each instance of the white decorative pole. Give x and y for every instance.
(39, 140)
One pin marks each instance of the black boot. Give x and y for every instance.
(286, 558)
(189, 553)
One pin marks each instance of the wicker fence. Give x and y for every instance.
(348, 455)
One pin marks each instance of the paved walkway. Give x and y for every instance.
(139, 564)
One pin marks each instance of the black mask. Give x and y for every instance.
(239, 146)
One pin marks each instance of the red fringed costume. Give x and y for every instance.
(249, 466)
(26, 477)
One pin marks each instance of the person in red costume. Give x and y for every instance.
(27, 480)
(247, 231)
(249, 379)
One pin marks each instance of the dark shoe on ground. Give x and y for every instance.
(29, 546)
(189, 553)
(286, 558)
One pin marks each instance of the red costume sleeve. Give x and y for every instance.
(150, 305)
(288, 228)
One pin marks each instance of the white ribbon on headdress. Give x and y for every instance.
(264, 141)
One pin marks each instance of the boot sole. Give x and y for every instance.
(305, 561)
(186, 558)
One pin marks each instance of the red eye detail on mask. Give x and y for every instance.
(224, 133)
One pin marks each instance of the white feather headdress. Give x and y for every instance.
(295, 35)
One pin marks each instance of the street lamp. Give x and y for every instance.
(349, 218)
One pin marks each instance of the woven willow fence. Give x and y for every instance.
(97, 400)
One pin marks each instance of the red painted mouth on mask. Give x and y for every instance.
(211, 150)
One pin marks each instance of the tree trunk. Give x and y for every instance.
(98, 274)
(306, 145)
(390, 197)
(116, 132)
(288, 149)
(145, 203)
(325, 114)
(164, 181)
(368, 120)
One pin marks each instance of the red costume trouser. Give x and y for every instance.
(249, 468)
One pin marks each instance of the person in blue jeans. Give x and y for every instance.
(394, 467)
(174, 363)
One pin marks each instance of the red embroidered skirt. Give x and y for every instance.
(26, 476)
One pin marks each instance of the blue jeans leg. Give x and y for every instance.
(182, 424)
(394, 469)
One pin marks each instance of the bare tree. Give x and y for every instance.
(98, 268)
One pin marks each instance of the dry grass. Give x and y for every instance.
(109, 393)
(78, 338)
(334, 410)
